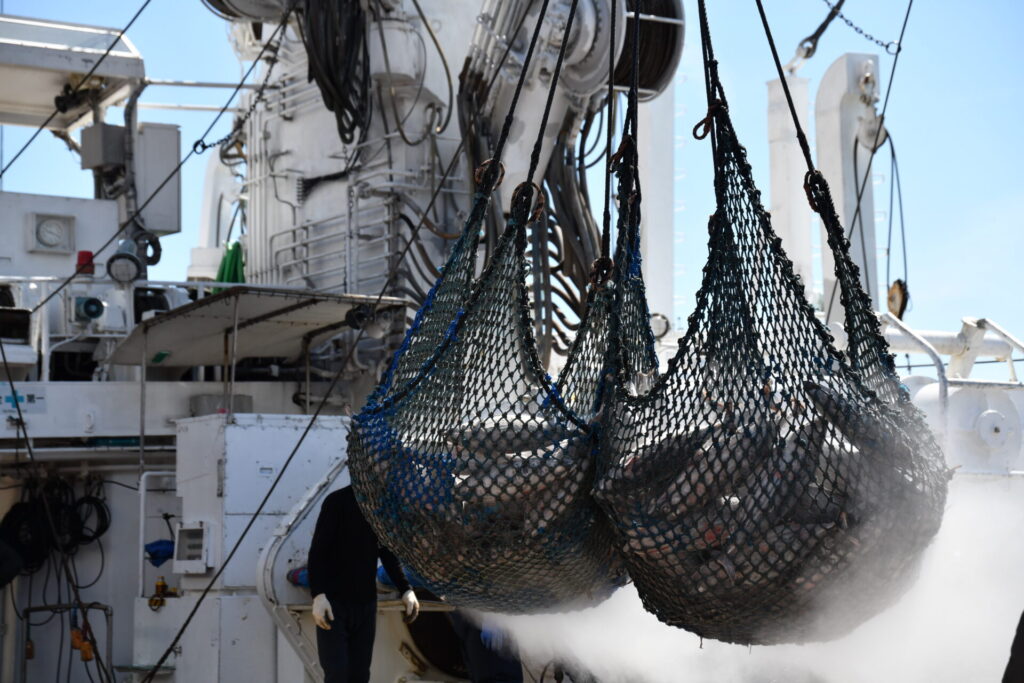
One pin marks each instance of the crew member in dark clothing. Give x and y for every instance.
(1015, 668)
(10, 562)
(342, 579)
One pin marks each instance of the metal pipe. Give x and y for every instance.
(142, 523)
(985, 323)
(999, 330)
(940, 368)
(985, 383)
(947, 343)
(234, 361)
(142, 401)
(207, 84)
(44, 334)
(186, 107)
(76, 468)
(654, 18)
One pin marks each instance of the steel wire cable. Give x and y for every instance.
(874, 147)
(895, 188)
(105, 674)
(891, 47)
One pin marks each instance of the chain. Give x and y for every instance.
(201, 145)
(892, 47)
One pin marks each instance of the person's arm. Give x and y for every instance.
(325, 535)
(394, 569)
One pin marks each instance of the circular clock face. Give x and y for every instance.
(50, 232)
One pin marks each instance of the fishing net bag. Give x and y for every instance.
(466, 460)
(767, 488)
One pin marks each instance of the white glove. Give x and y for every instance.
(412, 606)
(322, 613)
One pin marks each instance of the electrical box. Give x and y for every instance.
(157, 151)
(102, 146)
(191, 548)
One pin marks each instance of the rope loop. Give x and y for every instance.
(522, 196)
(809, 190)
(817, 190)
(480, 175)
(540, 208)
(625, 147)
(703, 127)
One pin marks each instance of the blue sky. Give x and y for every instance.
(955, 115)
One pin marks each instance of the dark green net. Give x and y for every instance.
(767, 488)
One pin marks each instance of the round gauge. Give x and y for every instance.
(50, 232)
(660, 325)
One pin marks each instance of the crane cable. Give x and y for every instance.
(874, 149)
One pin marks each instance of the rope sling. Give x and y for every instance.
(467, 460)
(765, 476)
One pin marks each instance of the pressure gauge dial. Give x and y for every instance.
(51, 233)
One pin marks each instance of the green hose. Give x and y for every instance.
(232, 266)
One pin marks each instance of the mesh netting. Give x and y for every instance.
(474, 471)
(767, 488)
(469, 461)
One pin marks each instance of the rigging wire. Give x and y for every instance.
(606, 217)
(895, 188)
(874, 148)
(70, 94)
(323, 400)
(447, 71)
(858, 219)
(197, 148)
(891, 47)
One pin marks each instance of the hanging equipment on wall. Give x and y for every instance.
(766, 488)
(466, 460)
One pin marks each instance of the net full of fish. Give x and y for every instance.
(470, 466)
(765, 480)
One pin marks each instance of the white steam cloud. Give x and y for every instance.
(954, 625)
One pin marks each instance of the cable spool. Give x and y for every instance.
(662, 29)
